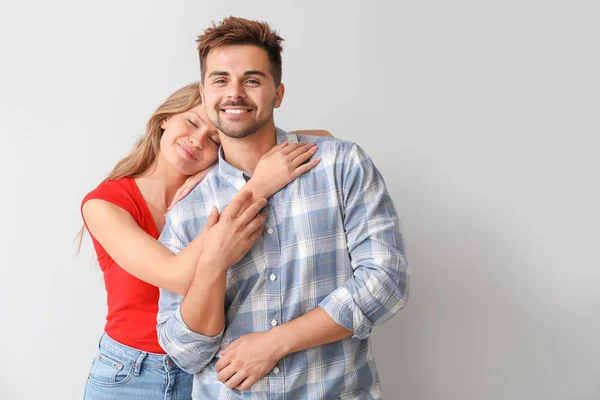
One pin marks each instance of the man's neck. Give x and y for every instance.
(244, 154)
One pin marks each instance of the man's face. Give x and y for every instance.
(238, 90)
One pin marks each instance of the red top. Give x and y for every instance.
(132, 303)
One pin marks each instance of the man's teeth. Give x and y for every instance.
(236, 111)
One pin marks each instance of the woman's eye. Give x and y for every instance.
(195, 126)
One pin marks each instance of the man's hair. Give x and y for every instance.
(239, 31)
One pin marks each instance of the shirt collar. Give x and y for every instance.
(239, 178)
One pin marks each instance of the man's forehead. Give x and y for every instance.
(237, 57)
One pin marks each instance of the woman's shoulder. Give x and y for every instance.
(121, 192)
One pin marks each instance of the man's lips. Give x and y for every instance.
(187, 152)
(235, 110)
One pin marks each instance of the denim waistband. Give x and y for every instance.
(139, 359)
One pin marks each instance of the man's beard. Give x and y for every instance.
(236, 130)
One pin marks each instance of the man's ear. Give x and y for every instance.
(201, 90)
(279, 95)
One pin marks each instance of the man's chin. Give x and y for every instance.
(235, 132)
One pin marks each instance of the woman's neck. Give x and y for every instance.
(159, 183)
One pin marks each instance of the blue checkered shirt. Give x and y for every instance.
(332, 240)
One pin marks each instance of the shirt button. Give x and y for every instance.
(272, 277)
(270, 230)
(276, 370)
(273, 322)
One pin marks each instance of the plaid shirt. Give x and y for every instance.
(331, 240)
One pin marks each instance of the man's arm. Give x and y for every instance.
(189, 349)
(377, 290)
(190, 328)
(379, 285)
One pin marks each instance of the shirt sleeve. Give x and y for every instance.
(379, 285)
(114, 193)
(191, 351)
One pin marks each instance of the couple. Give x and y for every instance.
(272, 270)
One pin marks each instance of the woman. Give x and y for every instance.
(125, 215)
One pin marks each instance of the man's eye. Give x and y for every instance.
(196, 126)
(219, 81)
(253, 81)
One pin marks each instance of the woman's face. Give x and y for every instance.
(190, 141)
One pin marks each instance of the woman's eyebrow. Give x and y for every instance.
(199, 117)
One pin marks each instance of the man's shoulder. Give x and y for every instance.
(328, 146)
(200, 200)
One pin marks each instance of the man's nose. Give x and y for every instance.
(236, 90)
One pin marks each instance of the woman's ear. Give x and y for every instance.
(162, 125)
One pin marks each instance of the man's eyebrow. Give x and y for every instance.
(251, 72)
(255, 72)
(218, 73)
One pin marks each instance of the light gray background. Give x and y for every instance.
(482, 118)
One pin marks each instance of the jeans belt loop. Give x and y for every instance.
(138, 364)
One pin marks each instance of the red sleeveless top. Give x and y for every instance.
(132, 303)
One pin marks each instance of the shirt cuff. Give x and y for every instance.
(340, 306)
(181, 329)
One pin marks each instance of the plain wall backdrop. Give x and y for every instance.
(483, 118)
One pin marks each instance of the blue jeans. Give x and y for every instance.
(122, 372)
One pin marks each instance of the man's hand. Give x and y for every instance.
(246, 360)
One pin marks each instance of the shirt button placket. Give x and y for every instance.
(273, 289)
(273, 293)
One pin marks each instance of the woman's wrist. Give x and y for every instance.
(258, 189)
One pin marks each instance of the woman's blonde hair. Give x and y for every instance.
(146, 149)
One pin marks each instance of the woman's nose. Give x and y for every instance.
(197, 139)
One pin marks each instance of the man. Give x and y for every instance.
(292, 319)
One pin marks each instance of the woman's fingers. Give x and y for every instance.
(291, 147)
(276, 148)
(299, 150)
(303, 156)
(306, 167)
(213, 218)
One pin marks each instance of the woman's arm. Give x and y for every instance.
(145, 258)
(136, 251)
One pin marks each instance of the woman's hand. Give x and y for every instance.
(281, 165)
(229, 236)
(189, 184)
